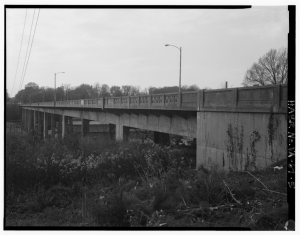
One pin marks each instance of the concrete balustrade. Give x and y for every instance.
(243, 99)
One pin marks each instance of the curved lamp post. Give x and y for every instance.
(55, 87)
(179, 48)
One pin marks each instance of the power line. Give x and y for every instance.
(21, 81)
(31, 46)
(19, 53)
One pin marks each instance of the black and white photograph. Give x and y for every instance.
(149, 117)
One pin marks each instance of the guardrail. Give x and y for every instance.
(258, 98)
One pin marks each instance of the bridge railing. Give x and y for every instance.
(95, 103)
(260, 98)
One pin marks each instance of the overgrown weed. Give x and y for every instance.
(95, 182)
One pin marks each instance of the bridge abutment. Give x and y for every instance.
(240, 141)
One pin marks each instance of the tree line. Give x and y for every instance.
(33, 93)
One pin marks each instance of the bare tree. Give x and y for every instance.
(272, 68)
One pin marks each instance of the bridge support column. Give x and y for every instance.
(29, 121)
(85, 127)
(122, 133)
(59, 126)
(23, 119)
(40, 123)
(112, 131)
(126, 133)
(52, 120)
(161, 138)
(65, 128)
(35, 120)
(46, 121)
(70, 124)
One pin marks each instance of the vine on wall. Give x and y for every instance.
(235, 146)
(272, 127)
(251, 160)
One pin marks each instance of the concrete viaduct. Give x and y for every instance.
(235, 129)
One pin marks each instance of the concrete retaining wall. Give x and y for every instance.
(240, 141)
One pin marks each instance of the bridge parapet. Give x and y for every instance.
(270, 98)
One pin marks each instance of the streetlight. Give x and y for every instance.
(179, 48)
(55, 87)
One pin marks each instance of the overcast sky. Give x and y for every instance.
(127, 46)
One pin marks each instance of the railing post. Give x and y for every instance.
(277, 95)
(163, 99)
(138, 100)
(200, 99)
(150, 100)
(179, 99)
(128, 101)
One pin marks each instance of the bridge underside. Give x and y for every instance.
(158, 121)
(227, 140)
